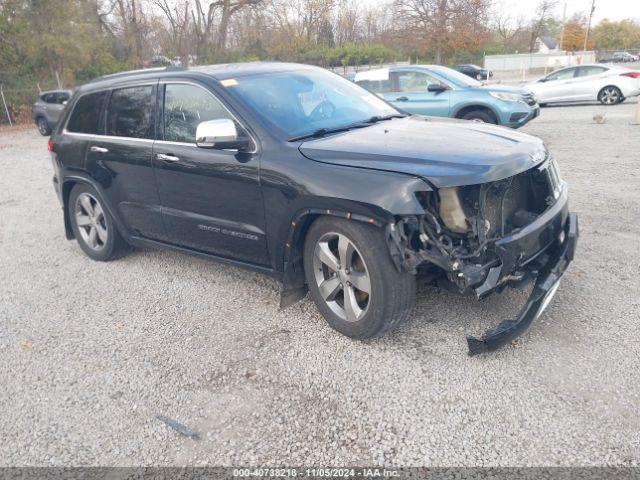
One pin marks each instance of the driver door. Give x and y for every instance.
(409, 93)
(558, 86)
(211, 199)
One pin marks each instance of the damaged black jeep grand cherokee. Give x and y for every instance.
(298, 173)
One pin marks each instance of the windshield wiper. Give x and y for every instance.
(378, 118)
(321, 132)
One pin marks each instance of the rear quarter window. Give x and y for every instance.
(85, 117)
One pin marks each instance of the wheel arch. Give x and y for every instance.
(67, 185)
(294, 287)
(463, 109)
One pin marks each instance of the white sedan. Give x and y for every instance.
(607, 84)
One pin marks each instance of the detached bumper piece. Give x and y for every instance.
(547, 282)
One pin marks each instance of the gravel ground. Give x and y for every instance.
(90, 353)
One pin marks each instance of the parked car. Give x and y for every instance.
(47, 109)
(298, 173)
(474, 71)
(443, 92)
(607, 84)
(620, 57)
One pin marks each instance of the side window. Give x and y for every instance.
(185, 106)
(376, 86)
(412, 82)
(61, 97)
(85, 117)
(562, 74)
(130, 112)
(592, 70)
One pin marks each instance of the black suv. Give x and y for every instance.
(298, 173)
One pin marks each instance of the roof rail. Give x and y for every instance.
(170, 68)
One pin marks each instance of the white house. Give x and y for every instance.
(547, 45)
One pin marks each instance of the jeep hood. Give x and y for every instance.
(444, 152)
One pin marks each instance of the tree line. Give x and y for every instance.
(42, 41)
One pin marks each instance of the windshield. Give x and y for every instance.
(455, 77)
(300, 103)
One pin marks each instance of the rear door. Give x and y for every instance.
(409, 93)
(120, 158)
(211, 199)
(588, 81)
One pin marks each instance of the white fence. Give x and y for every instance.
(531, 61)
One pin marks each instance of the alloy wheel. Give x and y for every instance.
(91, 221)
(610, 96)
(342, 276)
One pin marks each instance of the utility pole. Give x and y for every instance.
(586, 37)
(564, 20)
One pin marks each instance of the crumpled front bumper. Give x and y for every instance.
(560, 255)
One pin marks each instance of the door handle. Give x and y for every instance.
(167, 157)
(402, 99)
(97, 149)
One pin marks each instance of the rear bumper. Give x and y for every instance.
(554, 260)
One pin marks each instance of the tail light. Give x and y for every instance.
(631, 74)
(50, 145)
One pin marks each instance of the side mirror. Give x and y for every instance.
(437, 88)
(220, 134)
(542, 80)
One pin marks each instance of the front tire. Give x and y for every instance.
(479, 116)
(93, 226)
(610, 95)
(353, 280)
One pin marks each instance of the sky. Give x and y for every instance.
(611, 9)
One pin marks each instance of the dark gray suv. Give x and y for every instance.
(48, 108)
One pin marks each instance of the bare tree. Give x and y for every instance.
(440, 24)
(543, 13)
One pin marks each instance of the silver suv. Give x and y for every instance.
(47, 109)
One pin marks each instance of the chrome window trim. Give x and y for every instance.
(165, 82)
(106, 137)
(159, 83)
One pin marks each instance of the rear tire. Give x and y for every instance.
(361, 261)
(43, 126)
(93, 226)
(479, 116)
(610, 95)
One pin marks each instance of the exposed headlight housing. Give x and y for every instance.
(507, 97)
(451, 211)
